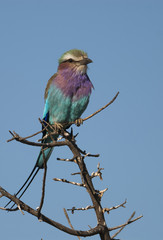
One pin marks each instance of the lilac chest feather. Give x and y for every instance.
(73, 84)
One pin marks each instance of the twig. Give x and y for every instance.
(77, 173)
(80, 209)
(131, 221)
(98, 111)
(30, 136)
(10, 209)
(66, 181)
(43, 122)
(91, 155)
(2, 208)
(98, 173)
(69, 222)
(101, 193)
(67, 159)
(74, 158)
(115, 207)
(46, 124)
(24, 141)
(102, 108)
(122, 226)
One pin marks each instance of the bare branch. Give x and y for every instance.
(74, 159)
(69, 222)
(115, 207)
(91, 155)
(23, 140)
(102, 108)
(30, 136)
(68, 219)
(77, 173)
(101, 193)
(66, 159)
(80, 209)
(122, 226)
(2, 208)
(98, 111)
(25, 207)
(98, 173)
(66, 181)
(46, 124)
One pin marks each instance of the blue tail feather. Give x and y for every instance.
(22, 187)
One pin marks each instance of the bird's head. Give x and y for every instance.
(76, 59)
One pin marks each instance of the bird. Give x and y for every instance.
(66, 97)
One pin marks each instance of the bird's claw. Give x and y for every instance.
(58, 127)
(78, 122)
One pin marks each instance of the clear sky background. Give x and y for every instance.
(125, 41)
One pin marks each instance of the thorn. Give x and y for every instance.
(71, 133)
(20, 209)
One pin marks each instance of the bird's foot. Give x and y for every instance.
(78, 122)
(58, 127)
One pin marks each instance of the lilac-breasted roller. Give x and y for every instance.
(66, 97)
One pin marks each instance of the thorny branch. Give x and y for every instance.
(98, 173)
(53, 223)
(115, 207)
(66, 181)
(80, 209)
(78, 158)
(74, 159)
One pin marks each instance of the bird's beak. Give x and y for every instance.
(85, 61)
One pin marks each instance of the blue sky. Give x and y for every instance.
(124, 40)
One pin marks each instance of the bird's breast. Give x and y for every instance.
(68, 97)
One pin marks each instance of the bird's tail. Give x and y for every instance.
(39, 164)
(25, 186)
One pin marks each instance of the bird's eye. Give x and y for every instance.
(70, 60)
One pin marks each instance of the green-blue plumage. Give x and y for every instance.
(64, 110)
